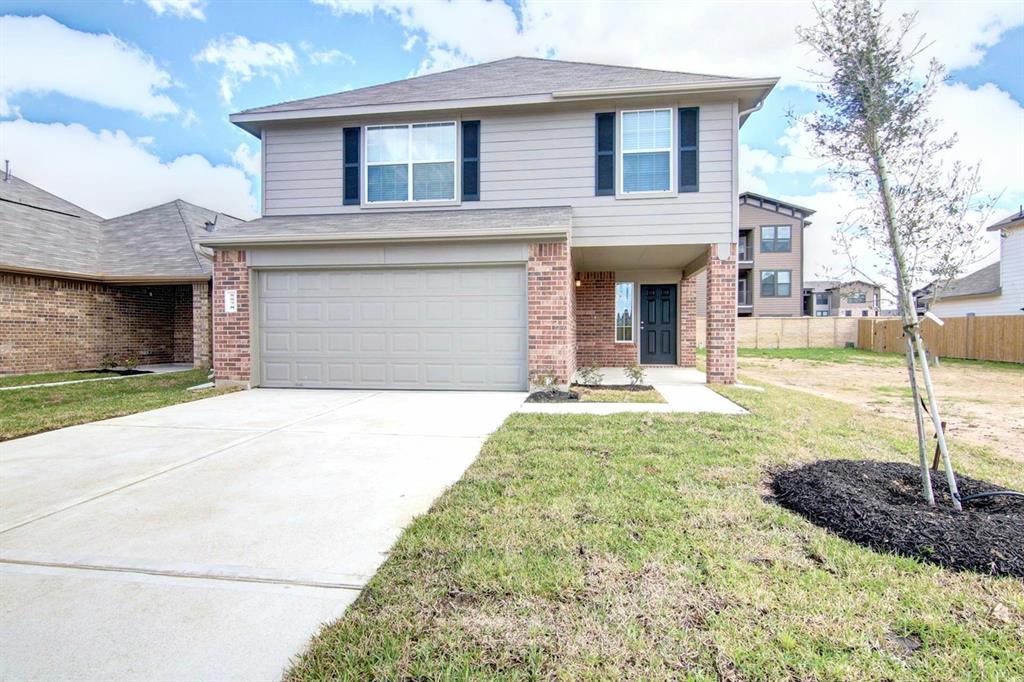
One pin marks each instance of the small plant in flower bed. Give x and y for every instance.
(546, 381)
(590, 375)
(636, 375)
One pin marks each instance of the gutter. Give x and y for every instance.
(242, 240)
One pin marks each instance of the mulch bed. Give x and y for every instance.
(879, 504)
(553, 397)
(121, 372)
(639, 388)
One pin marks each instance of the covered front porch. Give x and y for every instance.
(638, 305)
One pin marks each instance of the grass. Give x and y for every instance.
(863, 357)
(33, 410)
(639, 546)
(593, 394)
(48, 378)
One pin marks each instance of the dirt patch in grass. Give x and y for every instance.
(879, 504)
(981, 402)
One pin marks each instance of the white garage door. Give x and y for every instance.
(413, 328)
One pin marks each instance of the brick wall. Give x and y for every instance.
(721, 317)
(688, 321)
(550, 303)
(181, 325)
(232, 360)
(595, 323)
(57, 324)
(201, 346)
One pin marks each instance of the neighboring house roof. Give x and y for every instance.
(820, 284)
(981, 282)
(1015, 220)
(776, 205)
(46, 234)
(530, 79)
(404, 225)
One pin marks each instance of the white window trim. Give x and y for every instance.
(634, 300)
(673, 156)
(365, 170)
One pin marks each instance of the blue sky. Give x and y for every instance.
(161, 76)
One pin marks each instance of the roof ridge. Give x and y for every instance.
(621, 66)
(188, 233)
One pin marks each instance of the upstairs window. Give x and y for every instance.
(410, 162)
(776, 238)
(857, 297)
(821, 299)
(646, 151)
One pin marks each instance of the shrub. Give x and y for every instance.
(590, 375)
(546, 379)
(130, 361)
(636, 375)
(108, 362)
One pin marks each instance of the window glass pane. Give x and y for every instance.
(646, 130)
(645, 172)
(624, 311)
(784, 276)
(385, 144)
(433, 142)
(782, 231)
(433, 181)
(387, 183)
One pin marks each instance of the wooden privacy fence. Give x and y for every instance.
(992, 337)
(789, 332)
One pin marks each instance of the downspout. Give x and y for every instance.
(757, 107)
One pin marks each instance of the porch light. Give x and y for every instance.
(577, 281)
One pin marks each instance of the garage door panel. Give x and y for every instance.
(444, 328)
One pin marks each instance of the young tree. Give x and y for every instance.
(875, 131)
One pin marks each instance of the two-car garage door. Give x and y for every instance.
(413, 328)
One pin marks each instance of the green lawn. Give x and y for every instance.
(48, 378)
(639, 546)
(32, 410)
(590, 394)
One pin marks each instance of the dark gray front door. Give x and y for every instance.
(658, 324)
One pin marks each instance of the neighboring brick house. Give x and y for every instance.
(75, 288)
(770, 259)
(830, 298)
(473, 228)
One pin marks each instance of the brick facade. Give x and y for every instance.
(551, 303)
(688, 322)
(232, 359)
(51, 324)
(721, 317)
(595, 323)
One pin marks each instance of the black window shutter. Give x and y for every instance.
(351, 166)
(471, 160)
(689, 132)
(604, 154)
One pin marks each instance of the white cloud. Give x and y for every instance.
(241, 60)
(41, 56)
(110, 173)
(752, 162)
(329, 56)
(183, 9)
(189, 119)
(247, 159)
(759, 39)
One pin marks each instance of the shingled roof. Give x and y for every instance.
(978, 283)
(510, 77)
(45, 233)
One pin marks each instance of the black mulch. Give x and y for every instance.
(553, 397)
(879, 504)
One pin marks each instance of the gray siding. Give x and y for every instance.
(529, 159)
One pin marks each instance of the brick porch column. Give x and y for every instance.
(550, 303)
(721, 316)
(231, 349)
(201, 324)
(688, 321)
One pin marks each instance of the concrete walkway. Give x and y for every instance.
(210, 540)
(151, 369)
(683, 388)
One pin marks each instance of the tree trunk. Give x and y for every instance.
(922, 456)
(911, 324)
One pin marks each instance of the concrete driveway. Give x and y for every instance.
(210, 540)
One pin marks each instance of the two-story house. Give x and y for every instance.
(831, 298)
(769, 258)
(473, 228)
